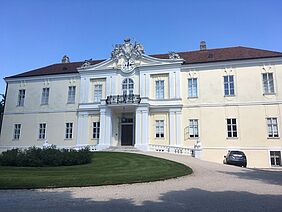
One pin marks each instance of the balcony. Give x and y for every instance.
(123, 99)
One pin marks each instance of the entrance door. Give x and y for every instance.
(127, 134)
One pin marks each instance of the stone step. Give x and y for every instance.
(121, 149)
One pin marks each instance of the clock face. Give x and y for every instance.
(128, 66)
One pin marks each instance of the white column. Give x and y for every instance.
(178, 128)
(145, 127)
(142, 85)
(177, 84)
(82, 129)
(171, 128)
(147, 79)
(171, 85)
(84, 89)
(138, 128)
(108, 86)
(108, 136)
(114, 89)
(102, 128)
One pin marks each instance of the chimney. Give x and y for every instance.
(203, 45)
(65, 59)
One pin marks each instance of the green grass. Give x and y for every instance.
(107, 168)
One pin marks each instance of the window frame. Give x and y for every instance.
(127, 86)
(98, 93)
(71, 94)
(232, 131)
(268, 84)
(193, 87)
(69, 130)
(159, 129)
(274, 157)
(159, 89)
(195, 129)
(228, 82)
(17, 132)
(45, 131)
(45, 96)
(21, 98)
(272, 125)
(96, 130)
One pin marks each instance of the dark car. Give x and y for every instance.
(236, 158)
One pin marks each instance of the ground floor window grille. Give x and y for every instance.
(42, 131)
(69, 127)
(275, 158)
(96, 130)
(159, 128)
(17, 131)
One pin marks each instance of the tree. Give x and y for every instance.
(2, 102)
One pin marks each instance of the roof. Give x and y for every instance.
(192, 57)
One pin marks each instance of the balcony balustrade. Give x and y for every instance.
(123, 99)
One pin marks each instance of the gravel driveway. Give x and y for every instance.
(212, 187)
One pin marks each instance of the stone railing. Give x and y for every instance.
(171, 149)
(123, 99)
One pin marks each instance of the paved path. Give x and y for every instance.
(212, 187)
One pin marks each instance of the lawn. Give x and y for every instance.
(107, 168)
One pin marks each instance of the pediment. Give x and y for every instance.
(127, 57)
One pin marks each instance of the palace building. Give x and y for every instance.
(201, 103)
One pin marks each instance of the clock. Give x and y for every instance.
(128, 66)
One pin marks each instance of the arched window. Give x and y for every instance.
(127, 86)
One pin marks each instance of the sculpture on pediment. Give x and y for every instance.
(126, 54)
(173, 55)
(86, 63)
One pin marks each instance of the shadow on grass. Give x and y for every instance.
(265, 176)
(187, 200)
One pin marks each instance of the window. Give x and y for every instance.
(97, 92)
(21, 97)
(231, 128)
(96, 130)
(160, 89)
(275, 158)
(71, 94)
(229, 85)
(127, 86)
(159, 128)
(193, 128)
(17, 131)
(45, 96)
(268, 85)
(68, 134)
(272, 127)
(192, 87)
(42, 131)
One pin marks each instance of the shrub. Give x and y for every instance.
(49, 156)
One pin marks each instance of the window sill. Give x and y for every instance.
(193, 138)
(230, 95)
(70, 103)
(159, 138)
(275, 138)
(269, 94)
(41, 139)
(44, 104)
(68, 139)
(15, 139)
(94, 139)
(192, 97)
(232, 138)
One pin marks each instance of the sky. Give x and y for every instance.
(37, 33)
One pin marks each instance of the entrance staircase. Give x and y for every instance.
(121, 149)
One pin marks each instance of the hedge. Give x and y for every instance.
(50, 156)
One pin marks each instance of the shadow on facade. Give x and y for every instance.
(187, 200)
(269, 177)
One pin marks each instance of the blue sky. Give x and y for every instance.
(38, 33)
